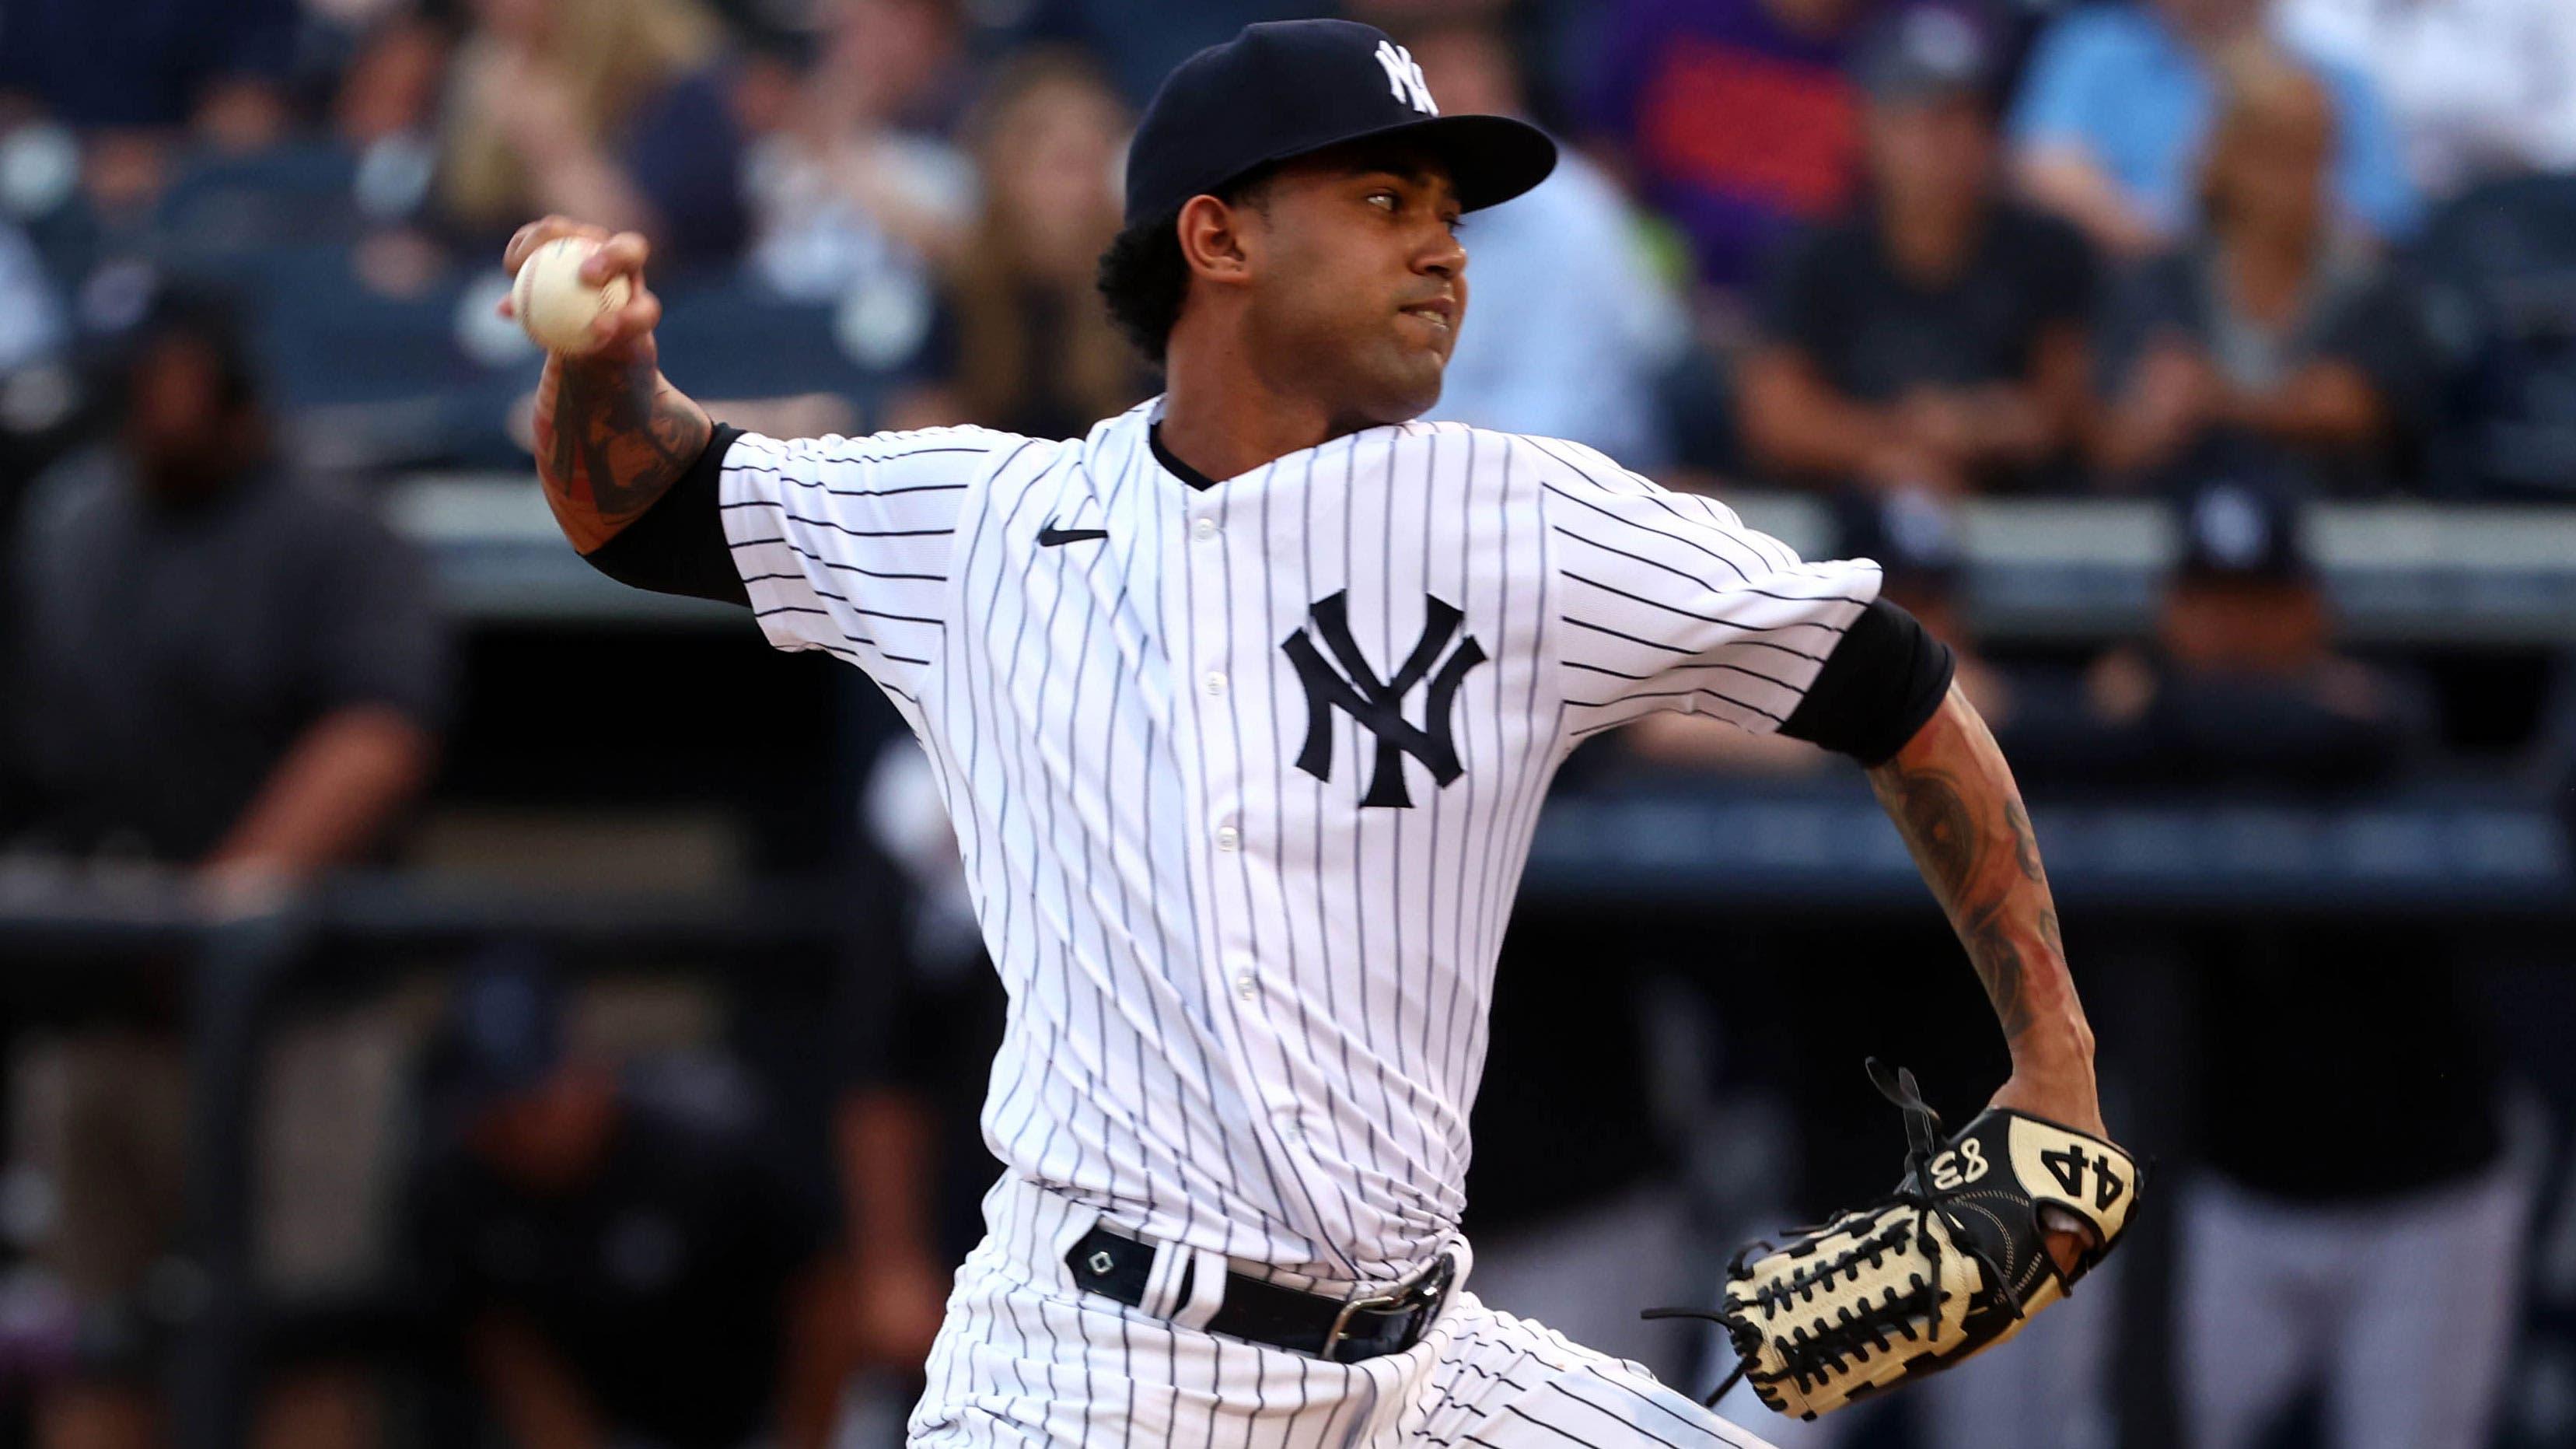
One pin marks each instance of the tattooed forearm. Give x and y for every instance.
(612, 437)
(1954, 801)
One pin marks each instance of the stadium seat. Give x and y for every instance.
(732, 339)
(291, 195)
(372, 379)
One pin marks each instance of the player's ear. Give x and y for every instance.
(1213, 236)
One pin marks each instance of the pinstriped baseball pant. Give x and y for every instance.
(1026, 1358)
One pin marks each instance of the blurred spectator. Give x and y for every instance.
(2276, 347)
(218, 66)
(1032, 350)
(863, 187)
(1936, 342)
(2243, 687)
(234, 669)
(2479, 88)
(1734, 117)
(614, 111)
(227, 670)
(391, 84)
(619, 1264)
(2313, 1254)
(385, 113)
(1571, 332)
(2117, 106)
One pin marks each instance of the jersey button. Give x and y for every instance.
(1227, 838)
(1204, 528)
(1245, 986)
(1215, 683)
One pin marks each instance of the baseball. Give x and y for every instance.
(554, 303)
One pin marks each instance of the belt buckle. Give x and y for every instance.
(1430, 1292)
(1334, 1335)
(1436, 1285)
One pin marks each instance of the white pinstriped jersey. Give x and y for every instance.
(1244, 777)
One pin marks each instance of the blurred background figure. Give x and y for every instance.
(615, 1259)
(863, 186)
(1938, 341)
(2275, 345)
(2478, 88)
(2243, 688)
(1736, 119)
(1574, 332)
(226, 670)
(2117, 108)
(610, 109)
(2314, 1259)
(1030, 349)
(232, 669)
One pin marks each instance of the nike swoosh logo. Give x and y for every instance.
(1051, 536)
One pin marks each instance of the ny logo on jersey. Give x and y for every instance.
(1378, 705)
(1404, 77)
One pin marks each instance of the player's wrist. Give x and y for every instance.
(2054, 1051)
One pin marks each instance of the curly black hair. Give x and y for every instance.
(1143, 275)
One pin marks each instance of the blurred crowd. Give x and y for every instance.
(1950, 247)
(2231, 256)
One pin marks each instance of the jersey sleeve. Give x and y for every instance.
(843, 543)
(1665, 600)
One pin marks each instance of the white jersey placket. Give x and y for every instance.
(1211, 592)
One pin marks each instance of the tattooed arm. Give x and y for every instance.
(1953, 799)
(612, 434)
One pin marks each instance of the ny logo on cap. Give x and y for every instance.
(1404, 77)
(1377, 705)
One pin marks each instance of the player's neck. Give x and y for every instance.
(1223, 417)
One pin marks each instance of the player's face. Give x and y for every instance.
(1360, 284)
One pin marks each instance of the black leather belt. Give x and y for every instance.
(1337, 1330)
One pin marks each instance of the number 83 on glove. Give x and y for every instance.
(1952, 1264)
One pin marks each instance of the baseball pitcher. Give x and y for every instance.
(1243, 705)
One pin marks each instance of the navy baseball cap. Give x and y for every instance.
(2232, 529)
(1913, 536)
(505, 1028)
(1926, 53)
(1288, 88)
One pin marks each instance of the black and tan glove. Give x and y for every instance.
(1952, 1265)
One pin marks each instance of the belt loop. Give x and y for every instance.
(1163, 1281)
(1070, 1220)
(1206, 1284)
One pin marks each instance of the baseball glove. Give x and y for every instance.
(1950, 1266)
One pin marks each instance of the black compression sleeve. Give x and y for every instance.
(1877, 688)
(678, 546)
